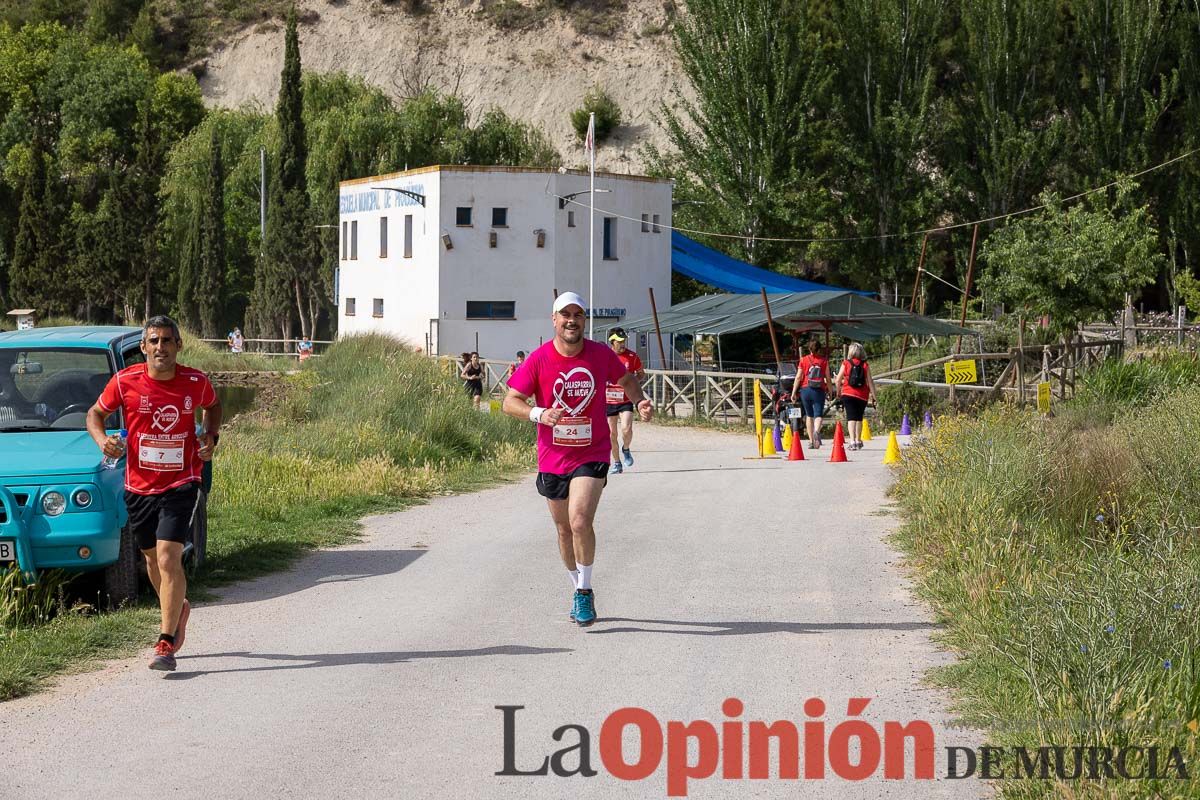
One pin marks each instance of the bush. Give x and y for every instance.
(512, 15)
(608, 114)
(898, 399)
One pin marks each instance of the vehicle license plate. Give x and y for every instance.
(795, 412)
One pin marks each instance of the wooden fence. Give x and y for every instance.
(729, 396)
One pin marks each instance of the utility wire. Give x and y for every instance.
(907, 234)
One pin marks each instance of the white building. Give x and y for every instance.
(475, 254)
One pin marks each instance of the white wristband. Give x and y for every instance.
(535, 414)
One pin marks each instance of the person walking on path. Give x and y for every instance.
(472, 375)
(564, 377)
(812, 378)
(856, 388)
(237, 342)
(164, 466)
(619, 407)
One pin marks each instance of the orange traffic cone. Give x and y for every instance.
(839, 445)
(795, 453)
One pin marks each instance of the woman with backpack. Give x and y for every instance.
(856, 388)
(812, 378)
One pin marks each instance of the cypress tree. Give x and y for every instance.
(284, 271)
(211, 273)
(33, 277)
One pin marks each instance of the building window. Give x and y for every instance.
(408, 235)
(345, 239)
(383, 237)
(570, 219)
(462, 216)
(377, 311)
(349, 306)
(655, 226)
(645, 223)
(491, 309)
(354, 240)
(610, 238)
(499, 217)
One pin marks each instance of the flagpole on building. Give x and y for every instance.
(591, 145)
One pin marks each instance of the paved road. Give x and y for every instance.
(374, 670)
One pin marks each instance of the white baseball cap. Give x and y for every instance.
(569, 299)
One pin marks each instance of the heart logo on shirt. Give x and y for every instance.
(574, 390)
(165, 418)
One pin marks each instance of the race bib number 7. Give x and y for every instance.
(573, 432)
(161, 455)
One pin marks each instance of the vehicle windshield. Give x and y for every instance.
(50, 388)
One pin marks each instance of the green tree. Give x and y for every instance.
(36, 274)
(211, 274)
(284, 280)
(746, 153)
(887, 62)
(1075, 263)
(1010, 133)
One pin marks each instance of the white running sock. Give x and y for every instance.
(585, 576)
(574, 573)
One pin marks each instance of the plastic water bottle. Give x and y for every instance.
(108, 462)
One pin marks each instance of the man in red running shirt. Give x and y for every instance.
(566, 377)
(619, 408)
(162, 478)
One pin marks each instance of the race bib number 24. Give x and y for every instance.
(573, 432)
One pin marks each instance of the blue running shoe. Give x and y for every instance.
(616, 468)
(628, 456)
(585, 607)
(574, 600)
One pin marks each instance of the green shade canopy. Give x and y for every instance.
(844, 313)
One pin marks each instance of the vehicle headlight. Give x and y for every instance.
(82, 498)
(53, 503)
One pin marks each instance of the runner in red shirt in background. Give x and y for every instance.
(162, 478)
(566, 376)
(619, 408)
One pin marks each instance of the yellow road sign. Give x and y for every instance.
(961, 371)
(1044, 397)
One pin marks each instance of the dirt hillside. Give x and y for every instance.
(538, 75)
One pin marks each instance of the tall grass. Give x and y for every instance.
(1066, 563)
(1115, 387)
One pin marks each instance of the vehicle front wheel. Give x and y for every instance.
(121, 576)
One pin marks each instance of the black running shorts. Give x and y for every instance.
(165, 517)
(557, 487)
(854, 408)
(613, 411)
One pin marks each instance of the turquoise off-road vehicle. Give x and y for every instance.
(59, 508)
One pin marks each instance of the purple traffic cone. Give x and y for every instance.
(905, 427)
(779, 439)
(928, 420)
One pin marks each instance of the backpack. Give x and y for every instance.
(815, 376)
(858, 374)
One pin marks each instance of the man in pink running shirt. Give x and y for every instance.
(566, 378)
